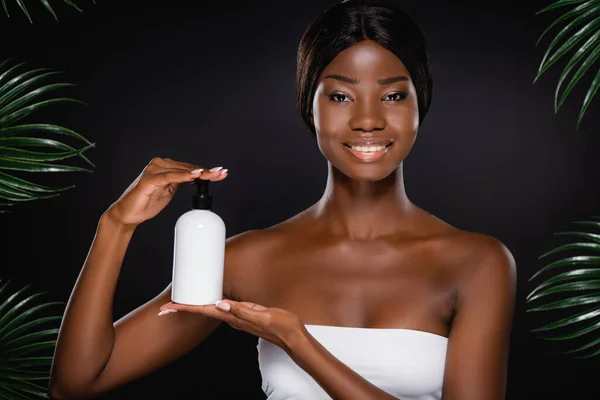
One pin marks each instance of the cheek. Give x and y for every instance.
(328, 119)
(404, 121)
(331, 124)
(406, 126)
(404, 118)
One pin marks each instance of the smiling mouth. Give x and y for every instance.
(368, 151)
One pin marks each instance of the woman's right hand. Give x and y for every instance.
(154, 188)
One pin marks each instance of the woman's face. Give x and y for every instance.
(365, 112)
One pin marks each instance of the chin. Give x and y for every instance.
(368, 172)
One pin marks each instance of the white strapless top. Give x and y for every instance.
(407, 364)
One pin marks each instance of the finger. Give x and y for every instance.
(182, 164)
(157, 161)
(155, 170)
(159, 165)
(214, 174)
(226, 304)
(231, 307)
(221, 176)
(210, 310)
(167, 177)
(203, 310)
(257, 317)
(170, 163)
(246, 324)
(166, 309)
(180, 307)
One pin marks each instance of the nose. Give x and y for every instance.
(367, 117)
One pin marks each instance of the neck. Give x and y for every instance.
(363, 210)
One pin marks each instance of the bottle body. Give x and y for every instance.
(198, 258)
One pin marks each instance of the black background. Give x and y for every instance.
(213, 84)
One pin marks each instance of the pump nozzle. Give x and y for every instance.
(201, 186)
(202, 198)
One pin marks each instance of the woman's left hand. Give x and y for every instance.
(276, 325)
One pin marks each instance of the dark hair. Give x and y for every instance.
(350, 22)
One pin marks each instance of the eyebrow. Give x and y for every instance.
(353, 81)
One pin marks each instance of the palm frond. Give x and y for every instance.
(45, 3)
(586, 13)
(576, 287)
(23, 343)
(20, 150)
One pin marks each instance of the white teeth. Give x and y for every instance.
(368, 149)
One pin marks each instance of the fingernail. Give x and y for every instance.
(223, 171)
(169, 310)
(222, 305)
(197, 171)
(215, 169)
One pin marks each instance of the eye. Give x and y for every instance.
(398, 96)
(338, 98)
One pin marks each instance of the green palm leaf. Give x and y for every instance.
(593, 314)
(567, 287)
(577, 287)
(21, 330)
(574, 246)
(20, 83)
(586, 55)
(561, 3)
(28, 387)
(570, 302)
(23, 344)
(577, 10)
(26, 375)
(45, 3)
(585, 66)
(584, 347)
(22, 150)
(589, 96)
(572, 335)
(576, 260)
(9, 394)
(586, 273)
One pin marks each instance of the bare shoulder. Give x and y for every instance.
(246, 255)
(479, 257)
(258, 242)
(251, 244)
(467, 253)
(479, 247)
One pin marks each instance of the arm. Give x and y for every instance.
(92, 355)
(477, 356)
(285, 329)
(337, 379)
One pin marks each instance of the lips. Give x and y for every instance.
(369, 142)
(368, 150)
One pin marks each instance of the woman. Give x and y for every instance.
(361, 296)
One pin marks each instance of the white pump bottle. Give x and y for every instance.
(199, 252)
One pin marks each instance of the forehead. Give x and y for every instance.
(367, 59)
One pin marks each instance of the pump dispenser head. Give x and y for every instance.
(202, 199)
